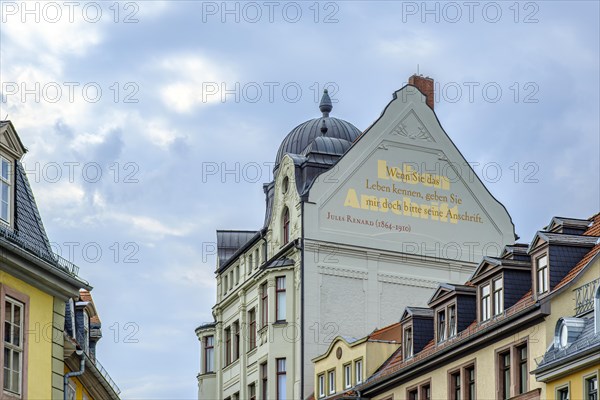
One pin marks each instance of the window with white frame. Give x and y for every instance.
(498, 297)
(408, 343)
(441, 326)
(321, 379)
(591, 387)
(331, 381)
(71, 391)
(13, 345)
(358, 371)
(563, 393)
(485, 302)
(542, 274)
(452, 321)
(347, 376)
(6, 185)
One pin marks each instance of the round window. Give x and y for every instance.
(564, 336)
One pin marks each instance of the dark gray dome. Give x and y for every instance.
(304, 134)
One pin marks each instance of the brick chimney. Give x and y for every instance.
(425, 85)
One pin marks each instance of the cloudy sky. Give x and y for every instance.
(151, 124)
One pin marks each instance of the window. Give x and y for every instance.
(236, 341)
(13, 345)
(265, 380)
(252, 391)
(426, 392)
(71, 391)
(264, 300)
(505, 375)
(523, 370)
(451, 321)
(470, 375)
(281, 379)
(485, 302)
(321, 385)
(237, 274)
(358, 372)
(209, 354)
(461, 383)
(591, 388)
(498, 297)
(347, 376)
(562, 393)
(256, 258)
(236, 396)
(441, 326)
(225, 284)
(252, 329)
(86, 331)
(286, 225)
(280, 298)
(227, 346)
(542, 274)
(331, 381)
(250, 263)
(408, 343)
(5, 183)
(413, 394)
(455, 386)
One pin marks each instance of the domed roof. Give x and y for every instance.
(304, 134)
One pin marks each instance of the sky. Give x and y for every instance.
(151, 124)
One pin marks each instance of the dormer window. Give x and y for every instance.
(408, 343)
(6, 185)
(86, 331)
(451, 321)
(286, 225)
(498, 296)
(541, 265)
(567, 331)
(441, 326)
(485, 302)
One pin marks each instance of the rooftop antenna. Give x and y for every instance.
(417, 69)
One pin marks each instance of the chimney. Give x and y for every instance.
(425, 85)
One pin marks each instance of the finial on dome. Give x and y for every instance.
(323, 127)
(325, 105)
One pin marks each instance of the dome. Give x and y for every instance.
(304, 134)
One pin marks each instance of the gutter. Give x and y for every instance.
(73, 374)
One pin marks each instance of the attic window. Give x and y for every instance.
(285, 185)
(408, 343)
(6, 183)
(597, 311)
(541, 265)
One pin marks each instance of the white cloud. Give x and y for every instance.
(197, 81)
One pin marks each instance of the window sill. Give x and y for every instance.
(251, 351)
(263, 329)
(231, 365)
(280, 323)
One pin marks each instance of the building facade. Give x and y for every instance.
(521, 328)
(35, 287)
(357, 225)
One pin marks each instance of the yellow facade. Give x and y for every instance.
(80, 390)
(371, 354)
(38, 338)
(575, 381)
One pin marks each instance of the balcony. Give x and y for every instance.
(584, 297)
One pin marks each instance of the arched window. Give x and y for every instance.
(286, 225)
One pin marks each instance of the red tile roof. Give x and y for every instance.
(85, 295)
(390, 332)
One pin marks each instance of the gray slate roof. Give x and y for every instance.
(228, 242)
(29, 233)
(586, 341)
